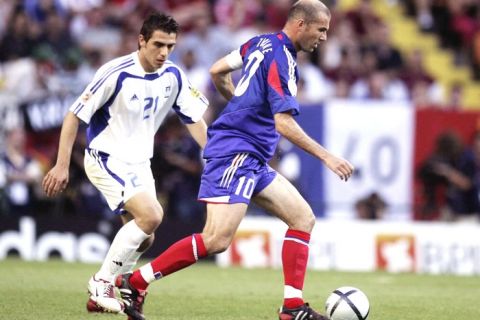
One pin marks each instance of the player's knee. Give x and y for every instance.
(155, 218)
(147, 243)
(309, 221)
(216, 243)
(306, 221)
(150, 219)
(221, 245)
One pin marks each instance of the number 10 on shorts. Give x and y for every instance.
(245, 189)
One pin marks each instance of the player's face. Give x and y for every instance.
(155, 51)
(314, 33)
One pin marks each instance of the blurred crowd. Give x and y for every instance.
(50, 50)
(455, 22)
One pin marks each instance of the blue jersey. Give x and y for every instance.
(268, 85)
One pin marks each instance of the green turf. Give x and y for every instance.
(57, 290)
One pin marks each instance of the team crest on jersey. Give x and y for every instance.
(198, 95)
(195, 93)
(86, 97)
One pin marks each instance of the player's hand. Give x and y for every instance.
(55, 181)
(340, 167)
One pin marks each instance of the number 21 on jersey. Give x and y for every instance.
(150, 107)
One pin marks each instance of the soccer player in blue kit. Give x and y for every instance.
(240, 144)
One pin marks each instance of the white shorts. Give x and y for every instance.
(118, 181)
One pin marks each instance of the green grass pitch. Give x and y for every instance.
(57, 290)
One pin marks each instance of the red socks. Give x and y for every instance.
(294, 259)
(188, 250)
(181, 254)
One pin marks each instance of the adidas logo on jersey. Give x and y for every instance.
(134, 97)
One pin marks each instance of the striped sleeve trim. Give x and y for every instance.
(111, 71)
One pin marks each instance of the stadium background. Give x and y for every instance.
(394, 80)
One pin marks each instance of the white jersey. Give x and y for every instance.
(124, 106)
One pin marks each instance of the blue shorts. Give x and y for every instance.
(234, 179)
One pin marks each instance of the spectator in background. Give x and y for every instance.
(442, 18)
(424, 90)
(6, 9)
(380, 68)
(314, 79)
(67, 80)
(184, 11)
(57, 36)
(242, 19)
(275, 12)
(19, 79)
(93, 32)
(363, 18)
(465, 184)
(196, 72)
(341, 43)
(455, 96)
(236, 15)
(441, 177)
(388, 56)
(23, 174)
(39, 10)
(345, 75)
(199, 77)
(204, 34)
(476, 51)
(424, 15)
(379, 85)
(463, 24)
(372, 207)
(17, 41)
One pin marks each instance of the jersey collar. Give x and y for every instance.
(282, 36)
(136, 60)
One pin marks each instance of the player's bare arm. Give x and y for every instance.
(198, 131)
(221, 74)
(56, 179)
(289, 128)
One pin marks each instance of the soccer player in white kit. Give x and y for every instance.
(124, 106)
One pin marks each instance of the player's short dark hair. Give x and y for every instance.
(307, 10)
(158, 21)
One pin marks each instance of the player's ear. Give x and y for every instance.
(300, 23)
(141, 41)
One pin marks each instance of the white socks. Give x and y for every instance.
(123, 251)
(130, 263)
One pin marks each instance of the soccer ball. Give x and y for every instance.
(347, 303)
